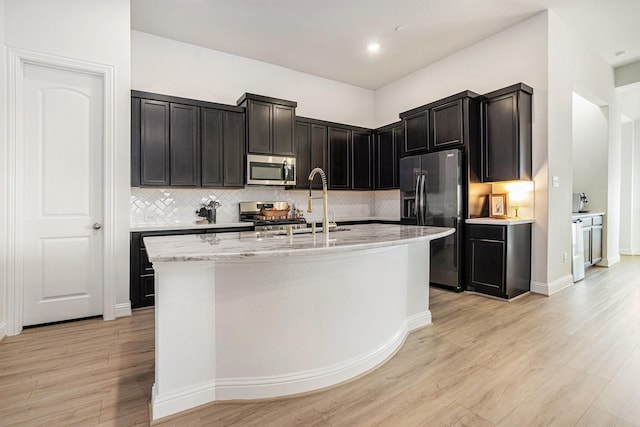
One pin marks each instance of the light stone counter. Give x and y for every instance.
(579, 215)
(251, 316)
(251, 244)
(188, 226)
(498, 221)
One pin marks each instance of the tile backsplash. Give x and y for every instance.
(166, 206)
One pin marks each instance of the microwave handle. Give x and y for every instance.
(285, 170)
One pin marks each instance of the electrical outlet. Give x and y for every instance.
(565, 257)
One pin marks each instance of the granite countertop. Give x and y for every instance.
(576, 215)
(195, 226)
(187, 226)
(250, 244)
(497, 221)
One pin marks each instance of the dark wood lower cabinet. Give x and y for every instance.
(141, 273)
(499, 259)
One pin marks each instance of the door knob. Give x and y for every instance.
(97, 226)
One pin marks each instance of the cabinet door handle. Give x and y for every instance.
(97, 226)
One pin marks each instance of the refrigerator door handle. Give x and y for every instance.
(423, 200)
(417, 200)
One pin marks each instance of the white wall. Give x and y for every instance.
(170, 67)
(518, 54)
(627, 74)
(590, 152)
(96, 31)
(574, 67)
(630, 192)
(3, 180)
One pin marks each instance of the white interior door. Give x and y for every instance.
(62, 254)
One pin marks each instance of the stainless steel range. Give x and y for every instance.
(271, 215)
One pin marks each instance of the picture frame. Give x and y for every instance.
(498, 205)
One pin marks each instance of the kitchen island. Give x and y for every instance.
(252, 315)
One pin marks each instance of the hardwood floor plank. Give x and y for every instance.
(621, 396)
(569, 359)
(561, 401)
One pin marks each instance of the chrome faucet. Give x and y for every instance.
(325, 216)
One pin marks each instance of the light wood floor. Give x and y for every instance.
(570, 359)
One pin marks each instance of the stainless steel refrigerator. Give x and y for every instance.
(432, 194)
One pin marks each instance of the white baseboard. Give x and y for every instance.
(629, 251)
(608, 262)
(181, 400)
(549, 289)
(3, 330)
(123, 310)
(419, 320)
(244, 388)
(314, 379)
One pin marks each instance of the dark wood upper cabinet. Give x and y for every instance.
(362, 160)
(270, 124)
(416, 132)
(284, 118)
(303, 153)
(451, 122)
(387, 152)
(135, 142)
(318, 149)
(260, 127)
(447, 129)
(212, 148)
(155, 162)
(222, 148)
(234, 137)
(311, 152)
(184, 145)
(506, 134)
(339, 143)
(185, 142)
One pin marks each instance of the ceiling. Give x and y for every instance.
(328, 38)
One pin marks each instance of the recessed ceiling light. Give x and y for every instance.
(373, 47)
(399, 28)
(621, 53)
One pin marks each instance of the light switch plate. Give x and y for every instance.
(555, 181)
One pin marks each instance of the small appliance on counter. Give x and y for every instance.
(271, 215)
(580, 202)
(208, 211)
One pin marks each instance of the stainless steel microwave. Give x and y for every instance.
(271, 170)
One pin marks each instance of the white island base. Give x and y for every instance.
(250, 327)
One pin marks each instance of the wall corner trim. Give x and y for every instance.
(608, 262)
(122, 310)
(551, 288)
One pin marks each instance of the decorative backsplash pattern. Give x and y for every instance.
(167, 206)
